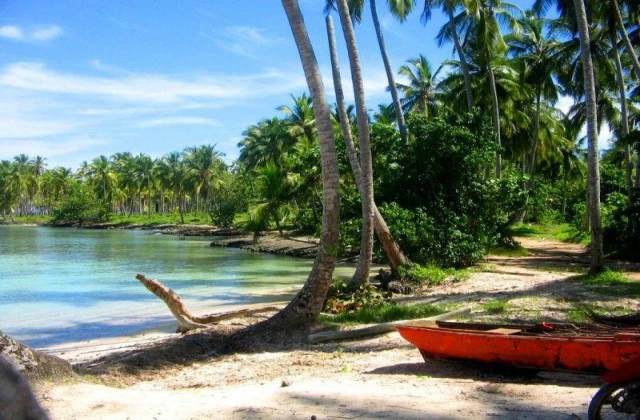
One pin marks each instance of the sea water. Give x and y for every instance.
(60, 285)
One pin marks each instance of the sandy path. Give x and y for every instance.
(356, 382)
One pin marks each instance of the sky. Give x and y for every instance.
(81, 78)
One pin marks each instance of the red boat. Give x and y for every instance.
(584, 348)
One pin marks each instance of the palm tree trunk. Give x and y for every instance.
(536, 134)
(593, 203)
(390, 78)
(307, 304)
(622, 90)
(391, 248)
(496, 119)
(463, 62)
(361, 275)
(625, 37)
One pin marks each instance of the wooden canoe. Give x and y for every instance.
(586, 348)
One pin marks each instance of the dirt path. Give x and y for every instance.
(382, 377)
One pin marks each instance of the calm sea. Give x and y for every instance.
(62, 285)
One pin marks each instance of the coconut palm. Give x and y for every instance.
(307, 304)
(361, 275)
(392, 250)
(483, 16)
(450, 32)
(597, 256)
(420, 93)
(103, 178)
(534, 50)
(400, 9)
(203, 164)
(172, 175)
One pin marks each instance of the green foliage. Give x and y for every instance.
(495, 307)
(230, 199)
(385, 313)
(80, 207)
(429, 274)
(440, 206)
(341, 298)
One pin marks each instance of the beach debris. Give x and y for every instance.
(186, 320)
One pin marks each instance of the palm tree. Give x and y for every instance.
(450, 32)
(597, 256)
(392, 250)
(203, 163)
(172, 173)
(399, 9)
(300, 118)
(102, 177)
(307, 304)
(145, 168)
(535, 52)
(361, 275)
(484, 15)
(419, 94)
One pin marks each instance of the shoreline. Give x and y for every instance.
(297, 246)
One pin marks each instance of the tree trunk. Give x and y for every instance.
(390, 77)
(593, 204)
(361, 275)
(307, 304)
(622, 90)
(536, 135)
(627, 42)
(496, 118)
(32, 363)
(391, 248)
(463, 62)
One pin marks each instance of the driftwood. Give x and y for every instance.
(186, 320)
(378, 329)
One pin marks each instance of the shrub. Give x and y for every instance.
(80, 207)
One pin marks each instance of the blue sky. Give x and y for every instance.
(80, 78)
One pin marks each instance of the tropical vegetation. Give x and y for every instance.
(443, 172)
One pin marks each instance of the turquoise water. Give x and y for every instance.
(61, 285)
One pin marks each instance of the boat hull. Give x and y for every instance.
(546, 352)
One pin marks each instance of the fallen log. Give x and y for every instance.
(186, 320)
(378, 329)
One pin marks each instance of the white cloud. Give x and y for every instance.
(37, 34)
(244, 41)
(10, 148)
(178, 121)
(148, 88)
(46, 33)
(11, 32)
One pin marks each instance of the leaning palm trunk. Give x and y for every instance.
(593, 190)
(391, 248)
(496, 120)
(308, 303)
(625, 38)
(463, 62)
(361, 275)
(622, 90)
(390, 78)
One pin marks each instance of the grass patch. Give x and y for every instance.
(515, 250)
(496, 307)
(162, 219)
(610, 282)
(433, 275)
(563, 232)
(385, 313)
(31, 220)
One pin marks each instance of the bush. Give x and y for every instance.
(80, 207)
